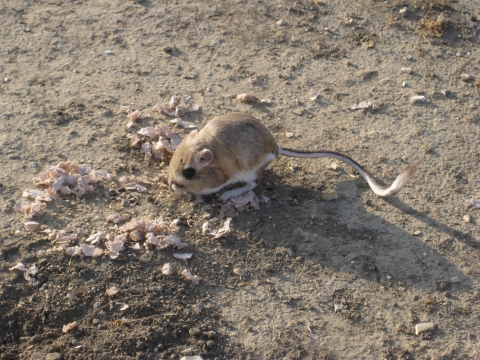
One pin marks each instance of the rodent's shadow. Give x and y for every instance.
(347, 235)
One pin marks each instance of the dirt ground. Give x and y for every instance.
(319, 279)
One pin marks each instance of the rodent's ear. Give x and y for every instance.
(204, 157)
(192, 134)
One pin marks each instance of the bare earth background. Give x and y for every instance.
(386, 264)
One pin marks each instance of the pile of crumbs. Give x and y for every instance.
(157, 141)
(134, 115)
(241, 203)
(65, 178)
(177, 107)
(369, 104)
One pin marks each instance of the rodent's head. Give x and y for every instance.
(193, 167)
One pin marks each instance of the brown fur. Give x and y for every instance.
(238, 142)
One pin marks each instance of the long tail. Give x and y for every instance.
(380, 190)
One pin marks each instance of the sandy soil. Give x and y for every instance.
(342, 279)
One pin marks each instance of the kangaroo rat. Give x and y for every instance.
(235, 148)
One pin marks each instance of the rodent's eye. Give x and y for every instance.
(189, 173)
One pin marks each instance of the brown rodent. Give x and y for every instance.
(235, 148)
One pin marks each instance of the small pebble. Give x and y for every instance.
(403, 10)
(27, 30)
(442, 286)
(194, 331)
(407, 70)
(418, 98)
(75, 71)
(389, 277)
(7, 79)
(455, 279)
(281, 22)
(109, 52)
(417, 232)
(467, 218)
(404, 84)
(467, 77)
(268, 267)
(338, 307)
(409, 57)
(423, 327)
(239, 272)
(34, 164)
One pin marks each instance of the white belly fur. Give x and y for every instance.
(243, 176)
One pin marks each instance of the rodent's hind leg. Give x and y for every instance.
(227, 195)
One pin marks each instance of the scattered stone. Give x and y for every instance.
(407, 70)
(409, 57)
(417, 232)
(389, 277)
(109, 52)
(455, 279)
(442, 286)
(281, 22)
(467, 218)
(419, 328)
(34, 164)
(467, 77)
(418, 98)
(240, 272)
(338, 307)
(194, 331)
(268, 267)
(195, 357)
(403, 10)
